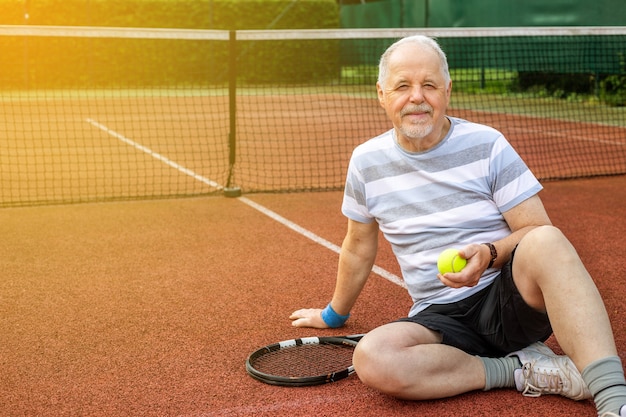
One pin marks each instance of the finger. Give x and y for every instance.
(469, 251)
(299, 323)
(445, 279)
(303, 312)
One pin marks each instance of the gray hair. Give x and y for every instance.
(420, 40)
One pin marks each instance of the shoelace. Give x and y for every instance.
(537, 383)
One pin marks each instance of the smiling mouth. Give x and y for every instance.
(416, 116)
(416, 111)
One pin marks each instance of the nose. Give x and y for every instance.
(416, 94)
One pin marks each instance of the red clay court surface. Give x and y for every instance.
(150, 308)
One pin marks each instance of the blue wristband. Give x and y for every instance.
(332, 319)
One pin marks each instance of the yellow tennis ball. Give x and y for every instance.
(450, 261)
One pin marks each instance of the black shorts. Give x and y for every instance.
(493, 322)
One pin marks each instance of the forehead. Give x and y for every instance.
(413, 59)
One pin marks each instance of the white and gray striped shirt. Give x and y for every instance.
(449, 196)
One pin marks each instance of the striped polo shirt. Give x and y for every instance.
(448, 196)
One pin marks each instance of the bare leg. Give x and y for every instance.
(408, 361)
(551, 277)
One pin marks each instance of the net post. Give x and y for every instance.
(230, 190)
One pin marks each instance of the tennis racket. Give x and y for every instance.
(304, 362)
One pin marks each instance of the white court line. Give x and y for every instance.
(273, 215)
(155, 155)
(315, 238)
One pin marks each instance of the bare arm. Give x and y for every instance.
(521, 219)
(356, 259)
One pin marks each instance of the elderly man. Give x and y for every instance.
(434, 182)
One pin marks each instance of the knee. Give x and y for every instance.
(544, 233)
(545, 241)
(542, 252)
(374, 365)
(365, 361)
(368, 364)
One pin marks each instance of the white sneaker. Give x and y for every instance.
(544, 372)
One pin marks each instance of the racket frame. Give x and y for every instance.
(350, 340)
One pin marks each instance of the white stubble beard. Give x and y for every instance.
(417, 131)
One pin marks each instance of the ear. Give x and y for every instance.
(381, 95)
(448, 92)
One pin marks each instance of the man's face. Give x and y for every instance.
(415, 97)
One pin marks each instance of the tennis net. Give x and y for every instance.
(98, 114)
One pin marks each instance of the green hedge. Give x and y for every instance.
(38, 62)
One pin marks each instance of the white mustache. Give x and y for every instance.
(422, 108)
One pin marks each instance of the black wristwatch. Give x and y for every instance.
(494, 254)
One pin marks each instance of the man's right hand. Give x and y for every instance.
(308, 317)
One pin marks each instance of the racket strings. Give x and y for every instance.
(305, 360)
